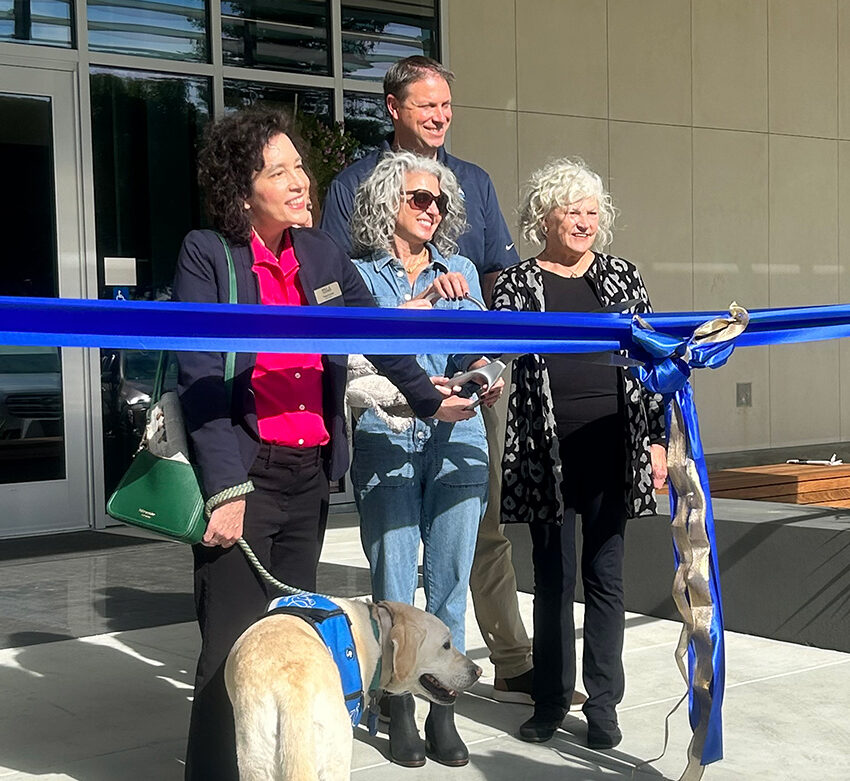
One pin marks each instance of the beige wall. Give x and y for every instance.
(722, 128)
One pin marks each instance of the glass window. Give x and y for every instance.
(36, 21)
(288, 35)
(171, 29)
(145, 133)
(32, 422)
(299, 100)
(376, 33)
(366, 119)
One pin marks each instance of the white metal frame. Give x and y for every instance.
(48, 506)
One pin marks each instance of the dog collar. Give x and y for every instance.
(375, 686)
(334, 628)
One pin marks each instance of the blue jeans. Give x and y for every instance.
(436, 493)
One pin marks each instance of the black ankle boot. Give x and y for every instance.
(406, 747)
(442, 741)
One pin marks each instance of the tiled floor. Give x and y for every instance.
(95, 680)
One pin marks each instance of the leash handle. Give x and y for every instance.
(267, 576)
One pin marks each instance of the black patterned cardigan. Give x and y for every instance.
(531, 465)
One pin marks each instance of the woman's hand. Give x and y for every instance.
(444, 385)
(225, 524)
(453, 409)
(658, 457)
(416, 303)
(489, 396)
(451, 286)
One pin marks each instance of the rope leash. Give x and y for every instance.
(268, 577)
(255, 562)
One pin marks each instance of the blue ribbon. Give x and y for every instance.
(666, 347)
(146, 325)
(667, 367)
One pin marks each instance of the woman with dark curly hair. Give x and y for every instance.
(267, 449)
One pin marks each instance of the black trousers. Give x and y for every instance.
(285, 520)
(593, 460)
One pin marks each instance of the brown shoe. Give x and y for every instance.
(516, 689)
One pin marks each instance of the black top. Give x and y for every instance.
(581, 391)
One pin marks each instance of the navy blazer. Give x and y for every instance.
(225, 442)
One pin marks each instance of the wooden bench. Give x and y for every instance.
(827, 486)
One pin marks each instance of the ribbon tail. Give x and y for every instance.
(696, 585)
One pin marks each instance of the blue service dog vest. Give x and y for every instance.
(332, 625)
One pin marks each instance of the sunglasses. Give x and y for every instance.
(422, 199)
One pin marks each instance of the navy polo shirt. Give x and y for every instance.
(486, 241)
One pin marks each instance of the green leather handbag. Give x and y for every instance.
(161, 489)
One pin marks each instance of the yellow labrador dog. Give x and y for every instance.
(291, 720)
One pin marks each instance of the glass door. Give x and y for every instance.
(44, 459)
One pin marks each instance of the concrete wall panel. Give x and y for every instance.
(730, 64)
(730, 219)
(650, 180)
(803, 67)
(483, 55)
(562, 63)
(649, 60)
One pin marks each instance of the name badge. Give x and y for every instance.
(327, 292)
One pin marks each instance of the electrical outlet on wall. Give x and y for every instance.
(744, 394)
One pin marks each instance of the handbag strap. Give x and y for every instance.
(230, 359)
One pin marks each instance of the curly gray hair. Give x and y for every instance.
(560, 183)
(378, 200)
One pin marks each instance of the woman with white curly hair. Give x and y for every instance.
(419, 481)
(582, 438)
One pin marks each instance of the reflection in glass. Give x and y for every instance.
(36, 21)
(242, 94)
(288, 35)
(377, 33)
(145, 130)
(32, 430)
(366, 119)
(126, 383)
(173, 29)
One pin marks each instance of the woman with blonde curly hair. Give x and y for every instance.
(419, 481)
(582, 438)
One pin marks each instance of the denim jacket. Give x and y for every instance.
(387, 280)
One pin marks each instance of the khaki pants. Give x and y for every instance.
(493, 582)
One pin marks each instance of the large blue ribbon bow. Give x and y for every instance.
(667, 364)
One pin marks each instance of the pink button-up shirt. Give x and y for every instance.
(287, 387)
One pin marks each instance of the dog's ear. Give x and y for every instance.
(407, 639)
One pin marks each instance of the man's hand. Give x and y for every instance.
(225, 524)
(658, 456)
(452, 286)
(453, 409)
